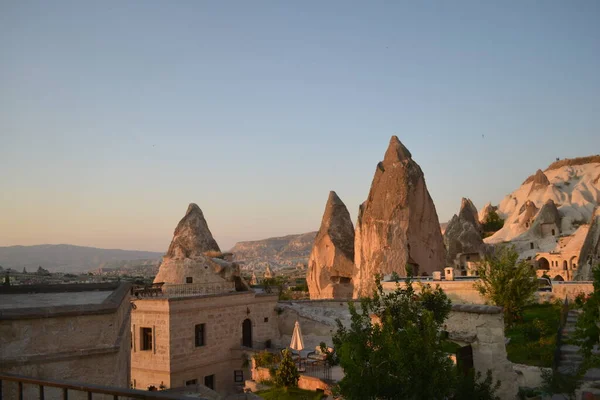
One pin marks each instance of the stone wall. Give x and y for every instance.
(571, 290)
(305, 382)
(178, 360)
(482, 327)
(463, 291)
(88, 344)
(150, 367)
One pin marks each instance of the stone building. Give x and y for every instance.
(200, 320)
(187, 339)
(562, 263)
(77, 332)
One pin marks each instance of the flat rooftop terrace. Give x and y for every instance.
(35, 301)
(12, 301)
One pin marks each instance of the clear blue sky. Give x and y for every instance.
(114, 115)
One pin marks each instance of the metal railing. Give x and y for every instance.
(184, 289)
(316, 369)
(20, 384)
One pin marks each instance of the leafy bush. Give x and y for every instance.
(393, 348)
(588, 331)
(507, 282)
(472, 387)
(581, 299)
(266, 359)
(492, 222)
(533, 338)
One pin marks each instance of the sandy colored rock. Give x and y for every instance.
(397, 222)
(331, 262)
(540, 181)
(483, 213)
(527, 213)
(187, 261)
(468, 212)
(463, 233)
(192, 237)
(268, 273)
(589, 256)
(547, 215)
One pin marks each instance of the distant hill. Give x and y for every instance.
(277, 252)
(75, 259)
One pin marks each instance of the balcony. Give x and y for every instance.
(24, 387)
(182, 290)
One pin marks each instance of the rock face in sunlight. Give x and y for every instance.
(463, 233)
(573, 188)
(540, 181)
(398, 224)
(550, 218)
(193, 255)
(192, 237)
(331, 262)
(590, 250)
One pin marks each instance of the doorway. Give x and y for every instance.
(247, 333)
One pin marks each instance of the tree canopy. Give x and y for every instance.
(393, 348)
(507, 282)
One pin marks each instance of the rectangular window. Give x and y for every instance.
(238, 376)
(209, 382)
(191, 382)
(189, 279)
(200, 335)
(146, 337)
(266, 319)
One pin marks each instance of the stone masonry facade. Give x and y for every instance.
(88, 343)
(174, 359)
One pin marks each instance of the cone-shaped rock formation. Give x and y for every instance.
(331, 262)
(397, 223)
(547, 221)
(463, 234)
(192, 237)
(468, 212)
(540, 181)
(186, 261)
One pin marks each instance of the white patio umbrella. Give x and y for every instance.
(297, 341)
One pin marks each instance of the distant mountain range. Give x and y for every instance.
(277, 252)
(74, 259)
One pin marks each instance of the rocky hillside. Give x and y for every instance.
(571, 186)
(277, 251)
(75, 259)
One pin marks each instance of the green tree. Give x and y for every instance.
(287, 374)
(392, 350)
(507, 282)
(588, 331)
(492, 221)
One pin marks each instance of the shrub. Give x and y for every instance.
(507, 282)
(393, 348)
(266, 359)
(492, 222)
(472, 387)
(287, 374)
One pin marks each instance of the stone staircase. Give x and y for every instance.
(570, 359)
